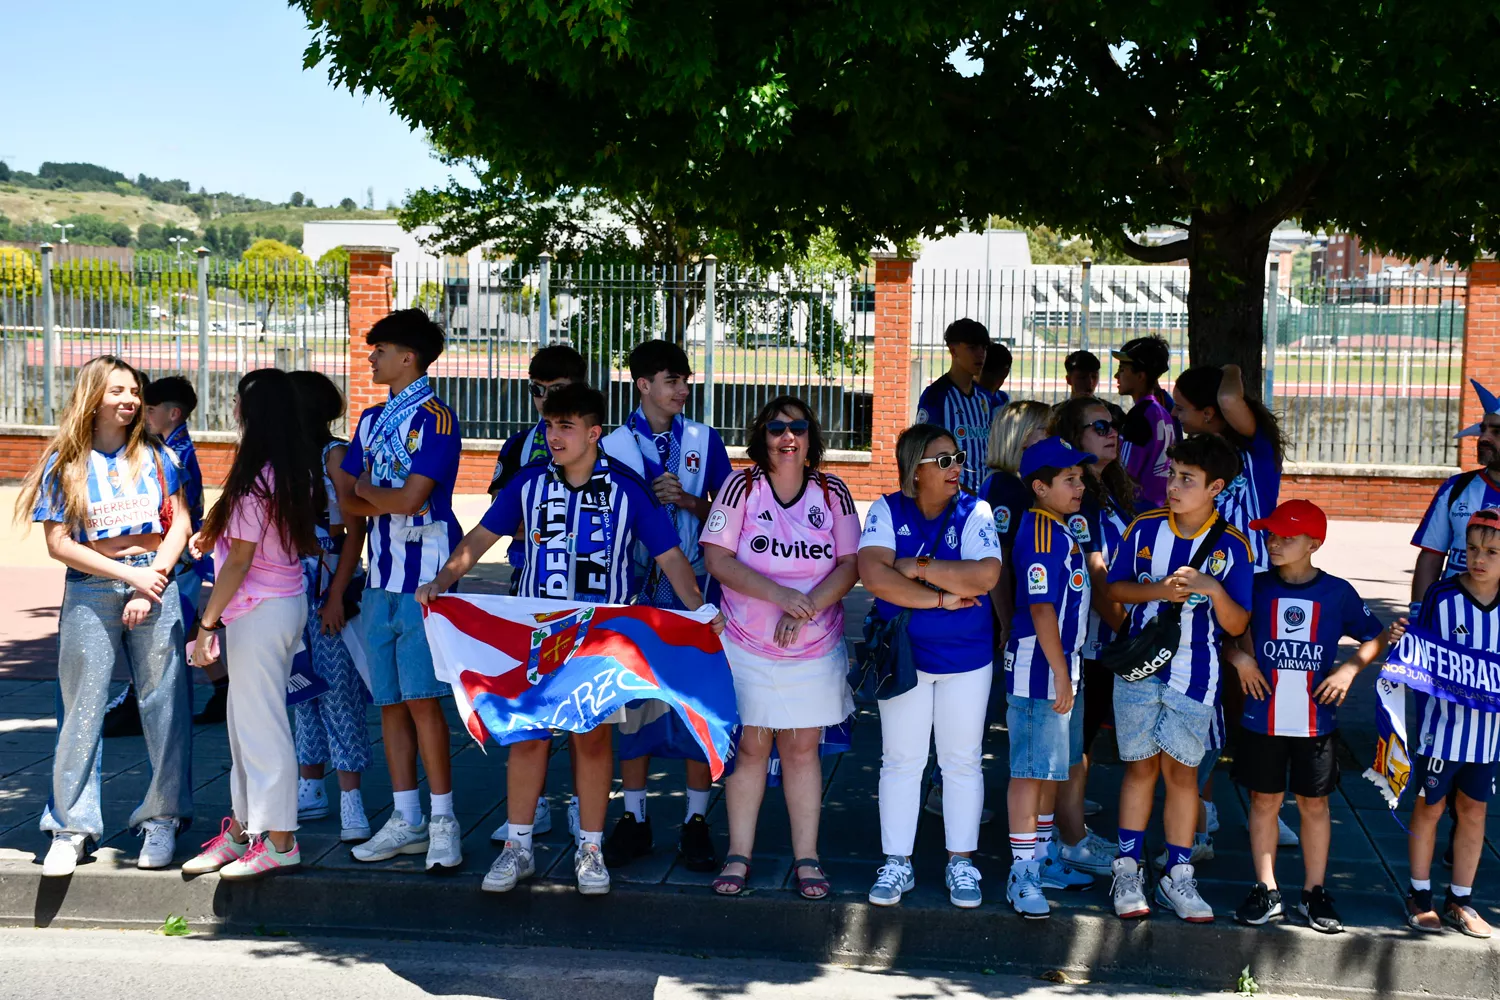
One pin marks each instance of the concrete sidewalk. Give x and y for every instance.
(659, 905)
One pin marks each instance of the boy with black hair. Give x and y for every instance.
(957, 403)
(1149, 430)
(1162, 721)
(581, 515)
(685, 463)
(168, 403)
(1457, 746)
(1043, 664)
(399, 472)
(1082, 373)
(997, 362)
(1286, 664)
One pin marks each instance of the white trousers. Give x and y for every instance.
(950, 707)
(263, 779)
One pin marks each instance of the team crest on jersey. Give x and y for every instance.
(1002, 520)
(1294, 617)
(1145, 578)
(1217, 562)
(951, 537)
(921, 415)
(815, 516)
(413, 440)
(691, 461)
(1036, 579)
(1079, 525)
(1076, 580)
(716, 521)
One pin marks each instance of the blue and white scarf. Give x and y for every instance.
(389, 456)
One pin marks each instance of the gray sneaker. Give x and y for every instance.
(590, 870)
(513, 864)
(962, 879)
(1024, 890)
(1179, 890)
(894, 878)
(444, 851)
(396, 837)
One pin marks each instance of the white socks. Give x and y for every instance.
(635, 803)
(442, 805)
(409, 806)
(697, 802)
(585, 838)
(520, 836)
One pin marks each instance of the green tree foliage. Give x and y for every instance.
(296, 200)
(4, 171)
(96, 230)
(20, 274)
(276, 277)
(347, 205)
(1092, 117)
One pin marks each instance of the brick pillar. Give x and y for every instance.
(370, 284)
(1481, 348)
(891, 405)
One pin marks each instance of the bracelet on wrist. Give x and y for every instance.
(204, 626)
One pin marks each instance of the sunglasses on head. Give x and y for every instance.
(540, 391)
(1103, 427)
(946, 461)
(776, 428)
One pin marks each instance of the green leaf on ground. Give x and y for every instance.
(175, 926)
(1246, 985)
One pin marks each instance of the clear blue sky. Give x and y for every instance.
(210, 92)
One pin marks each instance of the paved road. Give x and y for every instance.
(115, 965)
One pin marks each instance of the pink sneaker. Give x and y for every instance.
(216, 853)
(261, 860)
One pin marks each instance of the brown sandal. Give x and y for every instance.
(806, 886)
(732, 885)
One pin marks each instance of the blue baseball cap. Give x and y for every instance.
(1052, 452)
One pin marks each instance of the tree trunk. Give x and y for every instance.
(1226, 297)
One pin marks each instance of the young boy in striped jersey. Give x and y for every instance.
(957, 402)
(1042, 669)
(1162, 721)
(1287, 664)
(1456, 747)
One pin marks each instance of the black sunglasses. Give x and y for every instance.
(1103, 427)
(539, 391)
(946, 461)
(776, 428)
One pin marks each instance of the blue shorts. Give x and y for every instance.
(1434, 778)
(1043, 744)
(400, 662)
(1152, 718)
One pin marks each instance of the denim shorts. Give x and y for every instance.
(1152, 718)
(1043, 744)
(400, 662)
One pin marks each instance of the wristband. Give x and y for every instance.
(206, 627)
(1414, 610)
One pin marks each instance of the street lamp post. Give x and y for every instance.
(63, 227)
(179, 240)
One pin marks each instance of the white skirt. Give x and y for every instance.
(788, 692)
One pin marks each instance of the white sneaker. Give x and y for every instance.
(1211, 813)
(159, 845)
(312, 800)
(1203, 850)
(1179, 890)
(1092, 854)
(934, 805)
(1129, 889)
(396, 837)
(513, 864)
(894, 878)
(541, 823)
(1024, 890)
(589, 869)
(1058, 874)
(443, 848)
(64, 854)
(1285, 835)
(354, 825)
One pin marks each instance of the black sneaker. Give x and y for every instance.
(125, 718)
(1316, 910)
(629, 840)
(697, 846)
(215, 709)
(1260, 906)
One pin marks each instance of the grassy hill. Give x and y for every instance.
(296, 216)
(22, 205)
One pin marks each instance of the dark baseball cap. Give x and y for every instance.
(1081, 361)
(1151, 355)
(967, 331)
(1052, 452)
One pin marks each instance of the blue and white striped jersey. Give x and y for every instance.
(404, 551)
(1050, 569)
(1444, 527)
(118, 503)
(1105, 526)
(1253, 494)
(1152, 550)
(1448, 730)
(964, 415)
(578, 540)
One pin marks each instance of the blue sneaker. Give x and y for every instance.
(894, 878)
(962, 879)
(1058, 874)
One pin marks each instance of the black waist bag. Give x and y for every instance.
(1136, 657)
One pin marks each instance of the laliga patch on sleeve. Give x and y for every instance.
(1079, 525)
(716, 521)
(1002, 520)
(1036, 579)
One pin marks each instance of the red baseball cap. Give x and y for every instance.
(1295, 517)
(1488, 517)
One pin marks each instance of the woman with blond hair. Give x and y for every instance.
(1017, 427)
(108, 496)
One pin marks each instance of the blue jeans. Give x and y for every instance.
(1041, 741)
(1152, 718)
(91, 639)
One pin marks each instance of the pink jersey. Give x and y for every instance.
(795, 545)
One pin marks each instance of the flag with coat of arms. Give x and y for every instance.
(521, 667)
